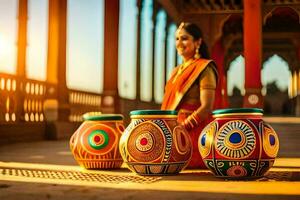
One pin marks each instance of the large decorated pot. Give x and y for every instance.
(95, 144)
(238, 143)
(155, 144)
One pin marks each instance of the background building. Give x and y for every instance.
(60, 59)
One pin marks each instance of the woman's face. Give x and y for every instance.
(185, 44)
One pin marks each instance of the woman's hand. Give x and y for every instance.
(191, 121)
(201, 114)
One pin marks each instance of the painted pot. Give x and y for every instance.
(95, 143)
(155, 144)
(238, 143)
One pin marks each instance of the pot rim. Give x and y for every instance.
(97, 116)
(153, 114)
(238, 111)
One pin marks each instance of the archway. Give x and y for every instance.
(275, 80)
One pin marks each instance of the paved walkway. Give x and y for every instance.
(47, 170)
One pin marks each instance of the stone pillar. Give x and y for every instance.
(166, 49)
(22, 37)
(56, 106)
(21, 58)
(154, 15)
(218, 54)
(138, 51)
(253, 53)
(56, 63)
(110, 100)
(295, 82)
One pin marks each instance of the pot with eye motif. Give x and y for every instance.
(238, 143)
(95, 144)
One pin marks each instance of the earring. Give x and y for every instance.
(197, 54)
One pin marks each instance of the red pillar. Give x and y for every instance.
(111, 35)
(218, 54)
(252, 53)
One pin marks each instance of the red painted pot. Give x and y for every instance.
(155, 144)
(238, 143)
(95, 143)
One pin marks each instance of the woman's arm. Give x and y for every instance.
(207, 98)
(207, 85)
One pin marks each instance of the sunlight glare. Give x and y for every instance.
(6, 51)
(4, 47)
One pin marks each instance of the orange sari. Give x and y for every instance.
(175, 89)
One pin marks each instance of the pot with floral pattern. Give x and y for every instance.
(155, 144)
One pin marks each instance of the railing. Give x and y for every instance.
(22, 100)
(8, 100)
(36, 110)
(35, 93)
(82, 102)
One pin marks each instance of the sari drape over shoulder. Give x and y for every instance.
(176, 89)
(177, 86)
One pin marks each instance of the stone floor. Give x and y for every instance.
(47, 170)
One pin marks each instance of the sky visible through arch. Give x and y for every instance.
(274, 69)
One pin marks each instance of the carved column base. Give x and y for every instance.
(58, 125)
(253, 98)
(110, 102)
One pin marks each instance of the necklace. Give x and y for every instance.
(182, 67)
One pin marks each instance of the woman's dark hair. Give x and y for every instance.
(195, 31)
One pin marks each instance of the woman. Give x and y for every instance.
(191, 87)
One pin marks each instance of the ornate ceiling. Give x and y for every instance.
(224, 19)
(183, 8)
